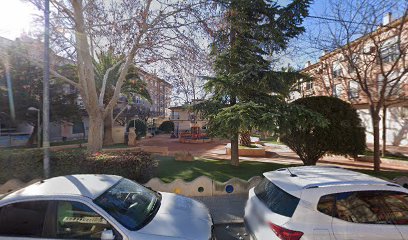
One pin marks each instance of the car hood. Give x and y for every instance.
(180, 217)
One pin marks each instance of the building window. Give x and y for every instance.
(338, 90)
(337, 71)
(353, 89)
(309, 86)
(78, 127)
(389, 50)
(175, 115)
(393, 87)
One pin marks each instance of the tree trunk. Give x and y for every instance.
(234, 151)
(108, 129)
(384, 131)
(245, 139)
(95, 133)
(376, 133)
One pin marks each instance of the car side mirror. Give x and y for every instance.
(107, 235)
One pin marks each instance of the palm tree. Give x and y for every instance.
(132, 86)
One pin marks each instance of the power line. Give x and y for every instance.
(343, 21)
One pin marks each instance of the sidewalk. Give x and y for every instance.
(282, 154)
(396, 150)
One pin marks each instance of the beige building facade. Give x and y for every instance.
(184, 119)
(371, 62)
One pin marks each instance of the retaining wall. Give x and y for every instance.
(204, 186)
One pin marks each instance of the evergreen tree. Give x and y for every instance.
(246, 92)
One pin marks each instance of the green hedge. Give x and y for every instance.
(27, 164)
(167, 126)
(344, 134)
(140, 128)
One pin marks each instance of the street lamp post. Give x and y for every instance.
(46, 91)
(38, 124)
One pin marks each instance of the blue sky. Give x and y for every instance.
(16, 18)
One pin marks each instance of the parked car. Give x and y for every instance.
(326, 203)
(100, 207)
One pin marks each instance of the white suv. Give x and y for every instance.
(326, 203)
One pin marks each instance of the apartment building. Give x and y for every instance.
(154, 112)
(184, 118)
(370, 61)
(159, 90)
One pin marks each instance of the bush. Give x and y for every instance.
(23, 164)
(167, 126)
(27, 164)
(140, 128)
(344, 134)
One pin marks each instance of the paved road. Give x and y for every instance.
(231, 232)
(228, 215)
(226, 209)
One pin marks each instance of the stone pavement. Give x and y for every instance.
(225, 208)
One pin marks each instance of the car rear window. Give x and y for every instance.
(276, 199)
(375, 207)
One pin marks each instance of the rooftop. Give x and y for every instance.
(86, 185)
(295, 179)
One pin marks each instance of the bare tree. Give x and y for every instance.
(140, 31)
(186, 73)
(368, 56)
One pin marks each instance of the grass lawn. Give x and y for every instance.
(221, 170)
(79, 141)
(117, 145)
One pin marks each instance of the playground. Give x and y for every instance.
(195, 135)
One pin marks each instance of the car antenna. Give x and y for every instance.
(291, 174)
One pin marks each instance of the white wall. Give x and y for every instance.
(397, 125)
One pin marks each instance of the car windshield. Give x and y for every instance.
(130, 203)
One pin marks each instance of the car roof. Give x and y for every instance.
(87, 185)
(294, 179)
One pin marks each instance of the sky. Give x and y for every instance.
(15, 18)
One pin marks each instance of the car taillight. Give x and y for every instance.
(285, 234)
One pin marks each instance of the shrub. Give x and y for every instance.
(344, 134)
(140, 128)
(23, 164)
(27, 164)
(167, 126)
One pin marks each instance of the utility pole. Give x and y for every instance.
(46, 91)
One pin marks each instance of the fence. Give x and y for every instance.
(14, 139)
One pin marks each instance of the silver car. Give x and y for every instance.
(100, 207)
